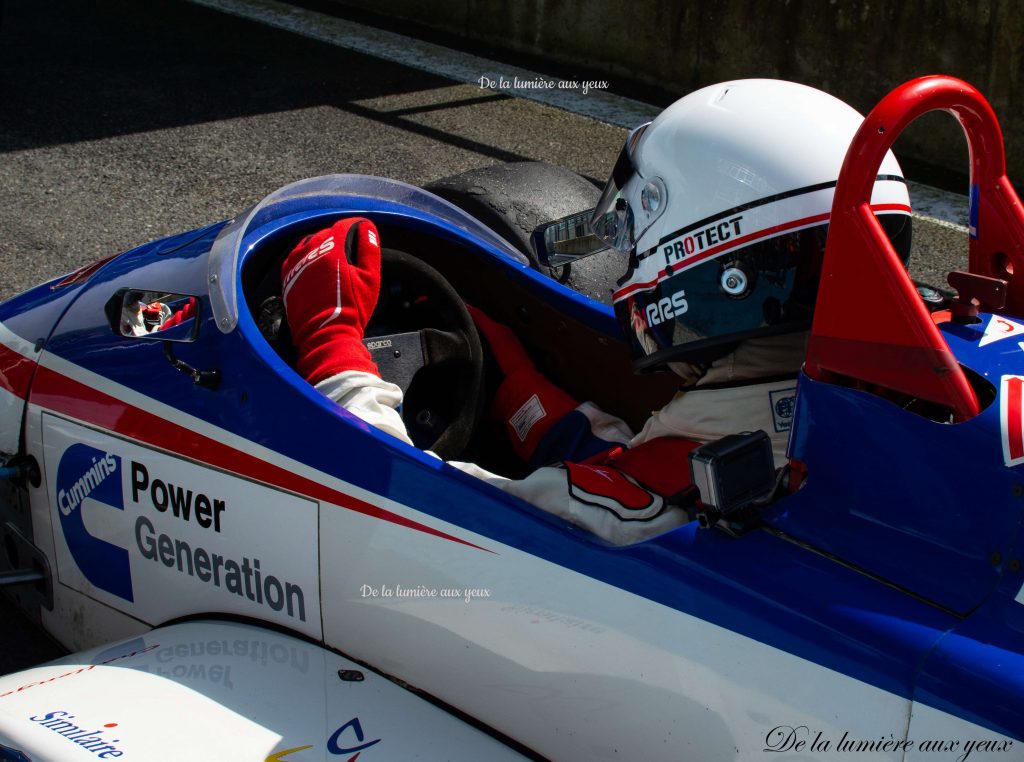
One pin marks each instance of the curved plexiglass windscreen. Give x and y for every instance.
(309, 196)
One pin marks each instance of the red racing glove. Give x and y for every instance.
(527, 403)
(187, 311)
(330, 285)
(153, 313)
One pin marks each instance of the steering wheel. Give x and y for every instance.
(422, 339)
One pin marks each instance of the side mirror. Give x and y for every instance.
(155, 315)
(563, 241)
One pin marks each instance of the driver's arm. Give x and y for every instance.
(330, 283)
(368, 397)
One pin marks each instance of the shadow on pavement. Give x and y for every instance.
(89, 70)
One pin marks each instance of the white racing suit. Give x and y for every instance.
(628, 500)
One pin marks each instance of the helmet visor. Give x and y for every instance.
(614, 219)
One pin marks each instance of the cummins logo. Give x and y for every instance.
(158, 536)
(87, 473)
(177, 530)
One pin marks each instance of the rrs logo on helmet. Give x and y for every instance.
(85, 473)
(666, 308)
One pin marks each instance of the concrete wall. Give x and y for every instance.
(857, 51)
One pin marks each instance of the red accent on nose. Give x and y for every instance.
(110, 725)
(1014, 421)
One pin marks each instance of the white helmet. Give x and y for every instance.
(722, 203)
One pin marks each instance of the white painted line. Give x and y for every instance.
(941, 207)
(417, 54)
(947, 209)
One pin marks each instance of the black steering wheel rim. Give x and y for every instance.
(443, 396)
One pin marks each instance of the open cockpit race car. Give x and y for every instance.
(166, 463)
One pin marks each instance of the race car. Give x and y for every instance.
(167, 463)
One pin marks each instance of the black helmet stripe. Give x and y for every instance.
(746, 240)
(754, 204)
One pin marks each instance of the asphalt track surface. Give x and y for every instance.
(123, 122)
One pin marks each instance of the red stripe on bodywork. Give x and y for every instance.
(15, 371)
(62, 394)
(1014, 421)
(82, 273)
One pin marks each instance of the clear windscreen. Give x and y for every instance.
(321, 193)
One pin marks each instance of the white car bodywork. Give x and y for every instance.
(225, 691)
